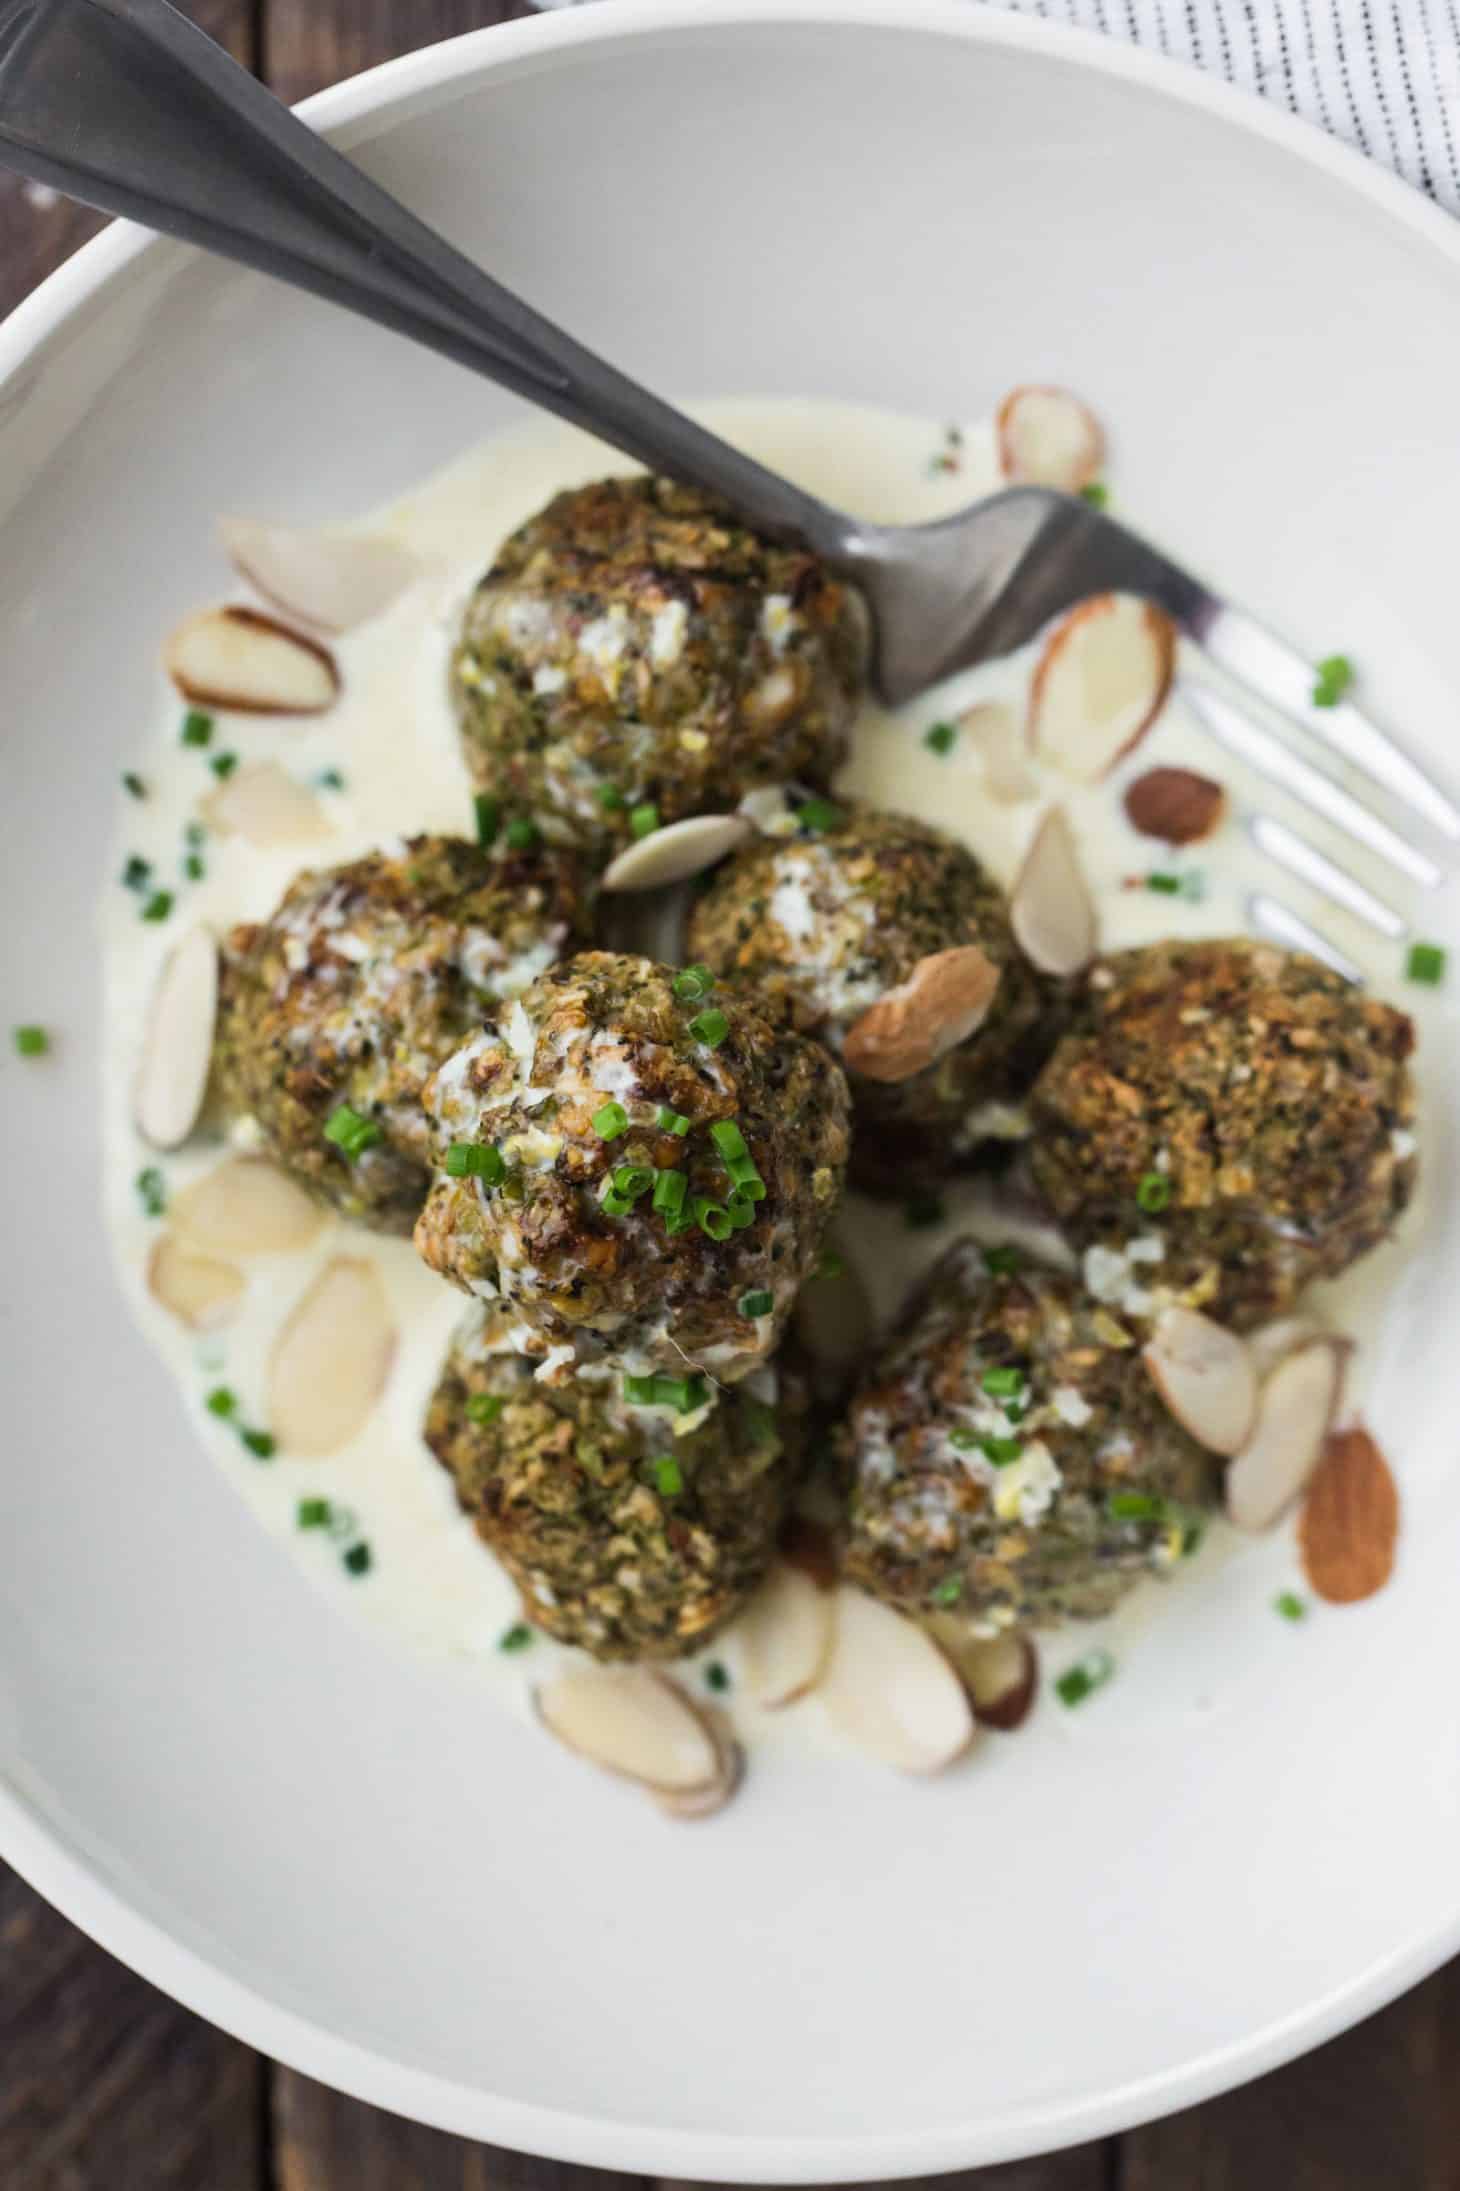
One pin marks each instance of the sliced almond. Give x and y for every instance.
(1175, 804)
(233, 657)
(1000, 1673)
(265, 805)
(1206, 1376)
(331, 1360)
(246, 1206)
(1271, 1342)
(834, 1320)
(676, 852)
(336, 580)
(1295, 1412)
(177, 1043)
(730, 1772)
(785, 1636)
(891, 1691)
(1047, 438)
(198, 1290)
(945, 999)
(1099, 684)
(996, 734)
(635, 1722)
(1350, 1520)
(1051, 911)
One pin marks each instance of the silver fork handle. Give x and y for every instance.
(128, 106)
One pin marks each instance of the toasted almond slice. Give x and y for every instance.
(635, 1722)
(1350, 1519)
(1206, 1376)
(1048, 438)
(785, 1636)
(890, 1690)
(177, 1044)
(945, 999)
(233, 657)
(198, 1290)
(336, 580)
(246, 1206)
(1295, 1412)
(1175, 804)
(996, 734)
(730, 1772)
(834, 1320)
(1271, 1342)
(331, 1360)
(1101, 678)
(1000, 1673)
(1051, 910)
(266, 805)
(676, 852)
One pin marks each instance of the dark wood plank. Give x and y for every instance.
(105, 2084)
(37, 229)
(310, 43)
(1379, 2107)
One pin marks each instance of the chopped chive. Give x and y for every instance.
(1003, 1384)
(193, 867)
(522, 834)
(357, 1560)
(1096, 493)
(222, 1403)
(475, 1160)
(195, 836)
(1192, 1533)
(941, 737)
(692, 983)
(133, 783)
(728, 1138)
(1426, 964)
(1153, 1192)
(1290, 1605)
(515, 1638)
(924, 1210)
(831, 1265)
(712, 1218)
(312, 1514)
(820, 814)
(716, 1677)
(668, 1481)
(610, 798)
(999, 1261)
(644, 820)
(223, 765)
(1000, 1451)
(609, 1121)
(758, 1418)
(966, 1440)
(197, 727)
(949, 1592)
(710, 1027)
(262, 1444)
(671, 1122)
(1335, 673)
(488, 812)
(756, 1303)
(740, 1211)
(611, 1202)
(158, 906)
(1083, 1678)
(680, 1220)
(351, 1134)
(484, 1407)
(669, 1193)
(30, 1041)
(137, 873)
(152, 1191)
(639, 1391)
(632, 1180)
(1167, 886)
(747, 1181)
(1134, 1506)
(330, 779)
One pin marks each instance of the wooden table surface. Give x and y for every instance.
(105, 2085)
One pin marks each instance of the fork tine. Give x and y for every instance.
(1271, 918)
(1321, 874)
(1271, 758)
(1279, 674)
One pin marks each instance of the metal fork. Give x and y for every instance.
(126, 105)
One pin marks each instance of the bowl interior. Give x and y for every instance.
(357, 1860)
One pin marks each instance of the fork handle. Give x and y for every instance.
(128, 106)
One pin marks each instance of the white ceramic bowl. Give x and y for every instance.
(356, 1862)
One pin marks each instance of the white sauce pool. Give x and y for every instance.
(392, 739)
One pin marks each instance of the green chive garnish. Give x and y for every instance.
(924, 1210)
(330, 779)
(1134, 1506)
(158, 906)
(1153, 1192)
(610, 798)
(488, 813)
(222, 1403)
(609, 1121)
(671, 1122)
(741, 1212)
(669, 1192)
(30, 1041)
(1097, 494)
(756, 1303)
(515, 1638)
(475, 1160)
(1083, 1678)
(137, 873)
(1167, 886)
(941, 737)
(716, 1677)
(949, 1592)
(1000, 1451)
(357, 1560)
(351, 1134)
(1290, 1605)
(521, 835)
(260, 1443)
(712, 1218)
(193, 867)
(820, 814)
(639, 1391)
(1334, 675)
(644, 820)
(1426, 964)
(1003, 1384)
(197, 728)
(152, 1191)
(966, 1440)
(710, 1027)
(632, 1180)
(683, 1394)
(728, 1138)
(611, 1202)
(691, 983)
(999, 1261)
(668, 1481)
(484, 1407)
(312, 1514)
(133, 783)
(223, 765)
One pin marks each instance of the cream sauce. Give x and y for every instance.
(392, 740)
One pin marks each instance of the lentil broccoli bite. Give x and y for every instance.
(335, 1011)
(636, 655)
(631, 1530)
(1245, 1105)
(1006, 1457)
(638, 1165)
(826, 923)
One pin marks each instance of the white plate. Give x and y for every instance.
(358, 1863)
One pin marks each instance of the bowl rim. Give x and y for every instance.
(54, 1858)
